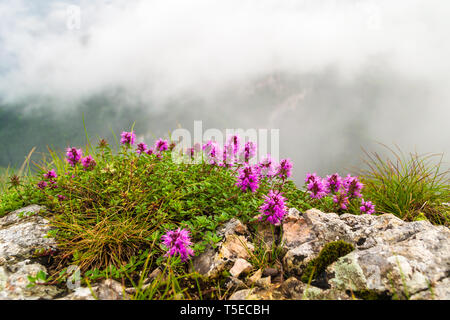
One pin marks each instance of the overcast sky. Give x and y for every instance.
(160, 49)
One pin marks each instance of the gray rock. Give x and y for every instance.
(14, 283)
(393, 257)
(244, 294)
(22, 232)
(106, 290)
(234, 246)
(21, 236)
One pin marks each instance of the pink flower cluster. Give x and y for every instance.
(178, 242)
(128, 139)
(367, 207)
(273, 208)
(343, 190)
(248, 178)
(75, 156)
(50, 176)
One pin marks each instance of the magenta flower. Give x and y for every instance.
(51, 174)
(367, 207)
(341, 199)
(284, 169)
(177, 243)
(73, 156)
(267, 167)
(311, 177)
(42, 185)
(352, 186)
(227, 156)
(161, 145)
(190, 152)
(212, 152)
(234, 142)
(333, 183)
(273, 208)
(149, 151)
(61, 197)
(88, 162)
(141, 148)
(248, 152)
(127, 138)
(197, 147)
(316, 189)
(248, 178)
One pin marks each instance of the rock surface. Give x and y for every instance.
(234, 246)
(392, 259)
(22, 232)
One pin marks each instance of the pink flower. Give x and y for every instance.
(141, 148)
(177, 243)
(341, 199)
(352, 186)
(42, 185)
(273, 208)
(248, 152)
(212, 152)
(267, 167)
(88, 162)
(127, 138)
(311, 177)
(333, 183)
(227, 156)
(161, 145)
(367, 207)
(51, 174)
(248, 178)
(316, 189)
(234, 142)
(284, 169)
(73, 156)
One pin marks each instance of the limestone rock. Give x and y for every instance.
(295, 230)
(14, 283)
(255, 277)
(241, 266)
(392, 257)
(212, 262)
(107, 289)
(21, 235)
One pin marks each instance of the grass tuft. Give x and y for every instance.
(412, 187)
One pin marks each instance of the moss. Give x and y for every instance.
(329, 254)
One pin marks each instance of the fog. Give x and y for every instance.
(333, 76)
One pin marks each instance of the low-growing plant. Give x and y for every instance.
(16, 190)
(108, 205)
(336, 194)
(412, 187)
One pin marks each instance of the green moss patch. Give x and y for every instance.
(329, 254)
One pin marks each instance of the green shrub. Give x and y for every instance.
(107, 215)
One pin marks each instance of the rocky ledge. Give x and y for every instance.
(391, 259)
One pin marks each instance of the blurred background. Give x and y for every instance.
(333, 76)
